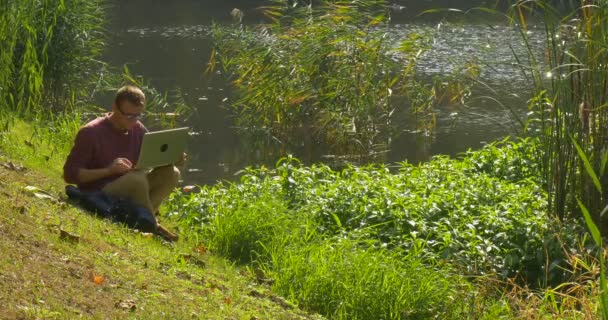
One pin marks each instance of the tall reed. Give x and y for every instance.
(595, 231)
(49, 51)
(570, 82)
(321, 77)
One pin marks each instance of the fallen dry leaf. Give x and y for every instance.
(187, 189)
(126, 305)
(298, 100)
(227, 300)
(200, 249)
(40, 194)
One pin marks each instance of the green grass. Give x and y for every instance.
(43, 146)
(320, 264)
(338, 277)
(342, 242)
(348, 279)
(45, 276)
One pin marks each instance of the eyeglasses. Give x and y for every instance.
(131, 116)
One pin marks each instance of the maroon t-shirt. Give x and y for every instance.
(97, 144)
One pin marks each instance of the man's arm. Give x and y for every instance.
(118, 166)
(76, 166)
(90, 175)
(80, 156)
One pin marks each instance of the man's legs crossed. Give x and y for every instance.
(134, 186)
(146, 189)
(161, 182)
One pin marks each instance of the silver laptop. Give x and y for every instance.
(161, 148)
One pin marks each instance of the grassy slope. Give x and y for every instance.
(45, 275)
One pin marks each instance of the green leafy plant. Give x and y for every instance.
(476, 212)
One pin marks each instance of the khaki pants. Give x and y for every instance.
(146, 188)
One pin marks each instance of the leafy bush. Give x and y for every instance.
(340, 277)
(461, 211)
(372, 242)
(507, 160)
(481, 222)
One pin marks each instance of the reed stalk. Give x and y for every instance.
(570, 83)
(321, 78)
(49, 51)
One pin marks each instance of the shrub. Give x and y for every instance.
(460, 211)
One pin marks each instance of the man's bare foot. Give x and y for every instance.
(166, 234)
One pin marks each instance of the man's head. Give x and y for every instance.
(128, 107)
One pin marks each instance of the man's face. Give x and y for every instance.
(127, 114)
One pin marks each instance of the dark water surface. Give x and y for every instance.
(167, 43)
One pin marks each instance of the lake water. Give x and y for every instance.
(167, 43)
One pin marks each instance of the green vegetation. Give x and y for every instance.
(48, 48)
(497, 233)
(60, 263)
(569, 106)
(569, 102)
(325, 78)
(307, 227)
(463, 211)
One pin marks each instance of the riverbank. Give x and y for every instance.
(349, 244)
(59, 262)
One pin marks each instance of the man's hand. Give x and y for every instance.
(181, 161)
(120, 166)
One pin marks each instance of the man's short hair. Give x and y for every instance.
(131, 94)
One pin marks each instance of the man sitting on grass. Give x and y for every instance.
(106, 151)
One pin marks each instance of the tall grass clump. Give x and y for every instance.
(49, 52)
(349, 279)
(570, 82)
(321, 78)
(241, 233)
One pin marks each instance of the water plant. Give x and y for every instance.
(322, 78)
(569, 101)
